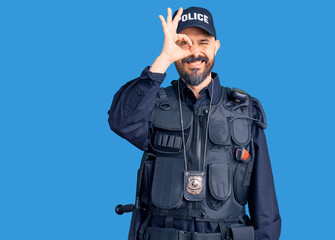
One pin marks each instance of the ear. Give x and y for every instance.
(217, 46)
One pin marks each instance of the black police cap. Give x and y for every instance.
(196, 17)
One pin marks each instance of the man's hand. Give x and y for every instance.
(171, 50)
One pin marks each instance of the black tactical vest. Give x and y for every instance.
(162, 185)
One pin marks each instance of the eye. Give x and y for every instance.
(183, 43)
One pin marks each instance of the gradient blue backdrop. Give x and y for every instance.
(63, 170)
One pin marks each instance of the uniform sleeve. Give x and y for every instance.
(129, 115)
(263, 205)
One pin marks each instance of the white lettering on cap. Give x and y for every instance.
(194, 16)
(206, 19)
(184, 18)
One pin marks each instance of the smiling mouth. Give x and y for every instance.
(195, 64)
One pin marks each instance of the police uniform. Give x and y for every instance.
(204, 160)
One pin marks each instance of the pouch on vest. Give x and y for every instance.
(167, 186)
(242, 233)
(218, 130)
(153, 233)
(242, 177)
(219, 187)
(146, 184)
(241, 131)
(167, 128)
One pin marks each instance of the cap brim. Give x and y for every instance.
(199, 26)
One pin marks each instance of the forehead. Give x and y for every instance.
(196, 32)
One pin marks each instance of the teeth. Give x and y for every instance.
(196, 63)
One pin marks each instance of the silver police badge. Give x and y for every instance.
(194, 185)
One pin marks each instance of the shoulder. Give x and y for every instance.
(257, 112)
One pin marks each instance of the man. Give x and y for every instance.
(205, 150)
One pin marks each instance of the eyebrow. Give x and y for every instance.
(203, 40)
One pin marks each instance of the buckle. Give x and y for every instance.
(164, 106)
(242, 154)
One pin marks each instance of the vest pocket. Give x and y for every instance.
(167, 186)
(243, 233)
(167, 136)
(146, 184)
(167, 141)
(153, 233)
(218, 184)
(241, 131)
(219, 132)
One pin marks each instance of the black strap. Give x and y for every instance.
(223, 229)
(162, 101)
(162, 93)
(143, 227)
(179, 213)
(169, 221)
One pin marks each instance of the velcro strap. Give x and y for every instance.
(243, 233)
(162, 93)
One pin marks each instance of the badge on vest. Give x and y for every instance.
(194, 185)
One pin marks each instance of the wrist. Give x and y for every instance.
(165, 58)
(161, 64)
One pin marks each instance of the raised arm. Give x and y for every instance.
(129, 115)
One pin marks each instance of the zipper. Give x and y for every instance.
(199, 144)
(196, 162)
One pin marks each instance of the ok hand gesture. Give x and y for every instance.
(171, 50)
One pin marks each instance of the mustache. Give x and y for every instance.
(193, 59)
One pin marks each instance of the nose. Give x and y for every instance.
(195, 50)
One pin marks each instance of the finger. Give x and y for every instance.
(177, 17)
(187, 53)
(163, 22)
(184, 37)
(169, 16)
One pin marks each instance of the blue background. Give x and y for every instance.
(63, 170)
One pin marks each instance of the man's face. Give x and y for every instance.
(195, 68)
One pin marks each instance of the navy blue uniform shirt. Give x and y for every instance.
(129, 117)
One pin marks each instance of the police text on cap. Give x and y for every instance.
(196, 16)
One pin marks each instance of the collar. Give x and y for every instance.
(188, 96)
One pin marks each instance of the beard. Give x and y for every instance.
(196, 77)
